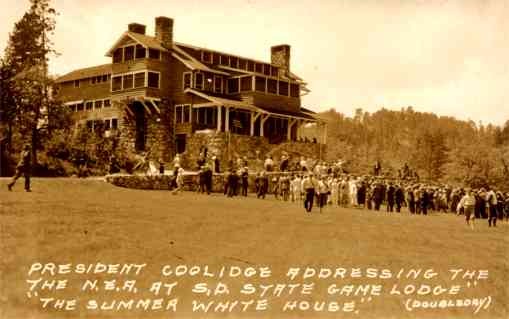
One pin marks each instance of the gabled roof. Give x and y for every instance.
(291, 75)
(85, 73)
(193, 63)
(142, 39)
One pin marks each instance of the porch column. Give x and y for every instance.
(324, 133)
(219, 119)
(254, 117)
(291, 123)
(262, 123)
(227, 120)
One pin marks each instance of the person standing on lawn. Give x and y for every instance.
(468, 205)
(23, 168)
(309, 185)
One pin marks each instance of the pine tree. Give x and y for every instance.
(26, 56)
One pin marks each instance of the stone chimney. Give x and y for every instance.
(164, 31)
(136, 28)
(280, 56)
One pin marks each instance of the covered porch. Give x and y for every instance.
(239, 117)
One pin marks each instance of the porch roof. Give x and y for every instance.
(220, 101)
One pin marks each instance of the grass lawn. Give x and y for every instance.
(71, 221)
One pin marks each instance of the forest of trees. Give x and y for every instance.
(439, 148)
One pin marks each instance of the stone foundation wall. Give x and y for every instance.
(255, 148)
(162, 182)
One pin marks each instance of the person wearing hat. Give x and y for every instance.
(467, 202)
(309, 185)
(23, 168)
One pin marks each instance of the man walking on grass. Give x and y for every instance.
(23, 168)
(467, 202)
(308, 185)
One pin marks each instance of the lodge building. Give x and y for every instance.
(156, 94)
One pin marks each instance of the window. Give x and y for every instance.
(90, 125)
(246, 83)
(154, 54)
(139, 80)
(117, 55)
(250, 66)
(186, 118)
(92, 80)
(76, 83)
(233, 85)
(187, 79)
(98, 104)
(216, 58)
(79, 107)
(266, 69)
(234, 61)
(116, 83)
(260, 84)
(198, 81)
(178, 114)
(242, 64)
(128, 53)
(224, 60)
(107, 124)
(89, 106)
(294, 90)
(105, 78)
(272, 86)
(258, 68)
(283, 88)
(209, 82)
(128, 81)
(141, 52)
(107, 103)
(274, 71)
(206, 56)
(218, 84)
(114, 124)
(153, 80)
(73, 107)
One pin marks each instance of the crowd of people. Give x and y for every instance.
(320, 184)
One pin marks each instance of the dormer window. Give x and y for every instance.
(259, 68)
(154, 54)
(242, 64)
(250, 66)
(266, 69)
(234, 62)
(141, 52)
(129, 53)
(206, 56)
(224, 60)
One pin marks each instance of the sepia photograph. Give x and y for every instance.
(254, 159)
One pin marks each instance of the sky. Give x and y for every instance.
(449, 57)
